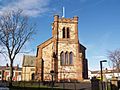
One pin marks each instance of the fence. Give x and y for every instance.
(112, 84)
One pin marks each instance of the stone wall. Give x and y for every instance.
(47, 58)
(27, 73)
(71, 28)
(67, 72)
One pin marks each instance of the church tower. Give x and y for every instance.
(67, 48)
(62, 53)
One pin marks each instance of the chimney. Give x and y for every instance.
(17, 66)
(7, 65)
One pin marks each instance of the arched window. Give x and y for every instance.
(68, 32)
(32, 76)
(71, 58)
(63, 32)
(66, 58)
(62, 62)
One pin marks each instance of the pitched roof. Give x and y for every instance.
(8, 68)
(29, 61)
(46, 42)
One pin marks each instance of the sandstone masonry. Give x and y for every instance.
(62, 53)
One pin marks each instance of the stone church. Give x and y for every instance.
(62, 53)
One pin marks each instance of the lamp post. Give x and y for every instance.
(52, 74)
(101, 72)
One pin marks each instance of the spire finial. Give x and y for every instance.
(63, 12)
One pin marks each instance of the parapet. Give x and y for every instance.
(65, 20)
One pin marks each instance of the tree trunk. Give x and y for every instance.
(11, 73)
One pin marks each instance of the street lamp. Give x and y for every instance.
(101, 72)
(52, 74)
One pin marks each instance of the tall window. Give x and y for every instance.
(62, 58)
(68, 33)
(63, 32)
(71, 58)
(66, 58)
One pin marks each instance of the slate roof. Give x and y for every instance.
(28, 61)
(8, 68)
(45, 41)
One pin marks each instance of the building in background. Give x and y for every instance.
(107, 74)
(28, 68)
(5, 73)
(63, 53)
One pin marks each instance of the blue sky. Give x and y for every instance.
(99, 23)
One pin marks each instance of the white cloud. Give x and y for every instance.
(18, 60)
(3, 60)
(29, 7)
(3, 57)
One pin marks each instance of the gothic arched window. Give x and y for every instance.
(62, 62)
(32, 76)
(63, 30)
(71, 58)
(68, 32)
(66, 58)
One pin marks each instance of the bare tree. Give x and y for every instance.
(15, 31)
(114, 57)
